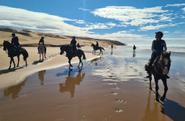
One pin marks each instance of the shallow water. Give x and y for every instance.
(111, 88)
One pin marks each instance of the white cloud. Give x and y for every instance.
(121, 35)
(183, 9)
(129, 15)
(175, 5)
(84, 9)
(92, 26)
(37, 21)
(42, 22)
(156, 27)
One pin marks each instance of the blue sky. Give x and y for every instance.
(112, 19)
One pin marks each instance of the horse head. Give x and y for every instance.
(6, 44)
(62, 49)
(92, 45)
(165, 62)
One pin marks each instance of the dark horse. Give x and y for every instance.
(97, 48)
(69, 54)
(159, 70)
(13, 51)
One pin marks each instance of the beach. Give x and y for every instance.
(109, 88)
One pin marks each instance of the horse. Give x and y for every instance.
(14, 51)
(159, 70)
(42, 52)
(69, 54)
(97, 48)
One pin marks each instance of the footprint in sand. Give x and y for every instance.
(118, 110)
(114, 93)
(116, 88)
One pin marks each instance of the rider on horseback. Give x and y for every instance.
(158, 46)
(15, 41)
(97, 44)
(73, 45)
(41, 44)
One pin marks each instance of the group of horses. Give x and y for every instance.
(16, 52)
(159, 69)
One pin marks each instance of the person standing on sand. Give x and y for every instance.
(15, 41)
(158, 46)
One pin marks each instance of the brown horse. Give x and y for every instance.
(159, 70)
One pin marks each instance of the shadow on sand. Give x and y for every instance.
(37, 61)
(174, 110)
(156, 111)
(4, 71)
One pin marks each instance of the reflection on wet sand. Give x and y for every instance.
(134, 53)
(14, 91)
(41, 75)
(153, 110)
(71, 82)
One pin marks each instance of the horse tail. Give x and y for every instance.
(24, 53)
(83, 54)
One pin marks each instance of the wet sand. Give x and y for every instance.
(112, 88)
(53, 60)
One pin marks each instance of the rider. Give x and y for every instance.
(158, 46)
(15, 41)
(73, 45)
(97, 44)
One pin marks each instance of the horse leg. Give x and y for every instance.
(18, 59)
(156, 89)
(26, 62)
(70, 65)
(150, 81)
(39, 57)
(165, 89)
(13, 62)
(80, 62)
(10, 63)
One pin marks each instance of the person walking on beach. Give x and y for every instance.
(111, 49)
(15, 41)
(134, 51)
(134, 48)
(73, 44)
(158, 46)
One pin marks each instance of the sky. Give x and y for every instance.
(122, 20)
